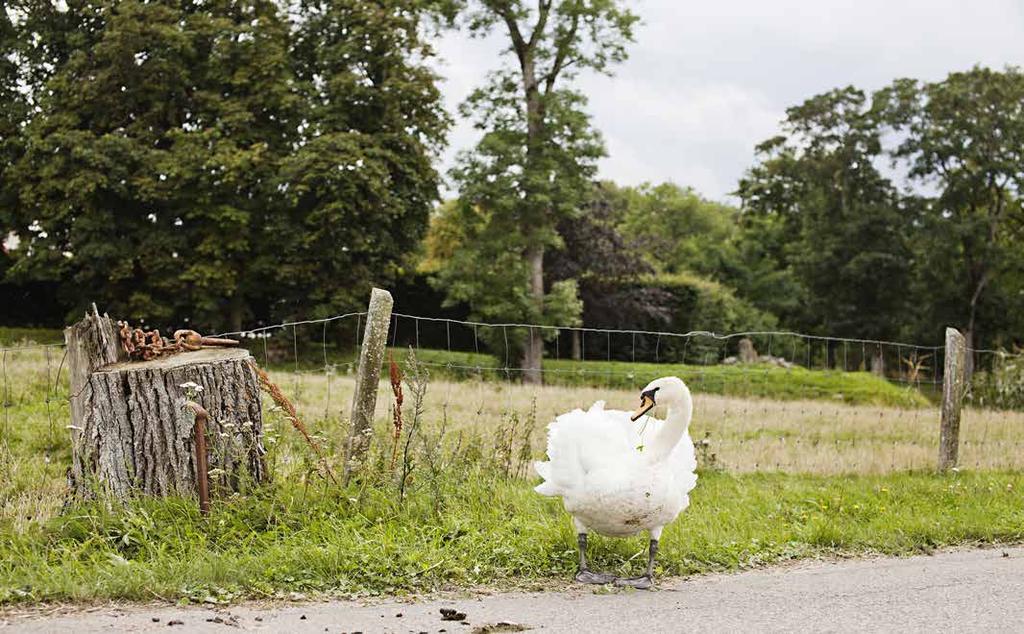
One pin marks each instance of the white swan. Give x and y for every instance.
(617, 476)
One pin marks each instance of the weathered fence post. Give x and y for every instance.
(364, 400)
(953, 384)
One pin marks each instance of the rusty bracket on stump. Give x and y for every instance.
(202, 481)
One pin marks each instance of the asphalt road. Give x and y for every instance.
(963, 591)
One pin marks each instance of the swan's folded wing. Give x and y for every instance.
(683, 461)
(580, 442)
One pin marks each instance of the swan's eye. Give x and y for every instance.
(648, 394)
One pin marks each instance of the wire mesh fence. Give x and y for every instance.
(763, 400)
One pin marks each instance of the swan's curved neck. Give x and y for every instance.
(677, 421)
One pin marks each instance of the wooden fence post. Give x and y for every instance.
(364, 399)
(953, 385)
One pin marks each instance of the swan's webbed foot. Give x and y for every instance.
(584, 574)
(589, 576)
(644, 582)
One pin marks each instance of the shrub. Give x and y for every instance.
(698, 303)
(1002, 385)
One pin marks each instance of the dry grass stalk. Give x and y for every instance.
(278, 396)
(915, 365)
(396, 388)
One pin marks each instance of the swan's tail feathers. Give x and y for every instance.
(543, 469)
(598, 406)
(547, 487)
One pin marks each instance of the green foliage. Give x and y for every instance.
(491, 531)
(220, 161)
(840, 218)
(361, 184)
(13, 113)
(875, 258)
(476, 263)
(701, 304)
(534, 163)
(680, 230)
(1000, 386)
(608, 264)
(962, 136)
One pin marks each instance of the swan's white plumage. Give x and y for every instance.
(606, 481)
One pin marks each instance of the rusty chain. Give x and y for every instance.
(143, 345)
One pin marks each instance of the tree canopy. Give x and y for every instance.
(221, 161)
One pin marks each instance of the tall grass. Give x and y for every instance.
(483, 530)
(780, 479)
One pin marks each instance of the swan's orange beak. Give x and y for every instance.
(646, 405)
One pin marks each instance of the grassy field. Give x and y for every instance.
(754, 380)
(780, 479)
(485, 530)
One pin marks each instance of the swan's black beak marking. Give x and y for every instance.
(647, 403)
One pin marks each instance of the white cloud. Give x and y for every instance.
(706, 82)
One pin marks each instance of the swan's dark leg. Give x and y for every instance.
(646, 581)
(584, 574)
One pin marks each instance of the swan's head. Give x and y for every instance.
(668, 390)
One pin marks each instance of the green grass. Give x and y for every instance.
(487, 530)
(761, 380)
(462, 523)
(18, 336)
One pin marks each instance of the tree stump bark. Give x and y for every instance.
(133, 435)
(747, 352)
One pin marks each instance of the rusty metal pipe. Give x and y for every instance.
(202, 476)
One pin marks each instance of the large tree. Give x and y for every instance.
(844, 227)
(143, 185)
(963, 137)
(361, 183)
(221, 160)
(535, 160)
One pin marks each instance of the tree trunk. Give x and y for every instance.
(91, 343)
(878, 362)
(577, 347)
(533, 350)
(236, 310)
(971, 332)
(133, 434)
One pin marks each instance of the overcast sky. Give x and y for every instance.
(706, 81)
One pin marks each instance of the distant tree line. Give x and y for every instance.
(881, 216)
(237, 162)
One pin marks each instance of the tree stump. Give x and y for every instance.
(747, 352)
(131, 433)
